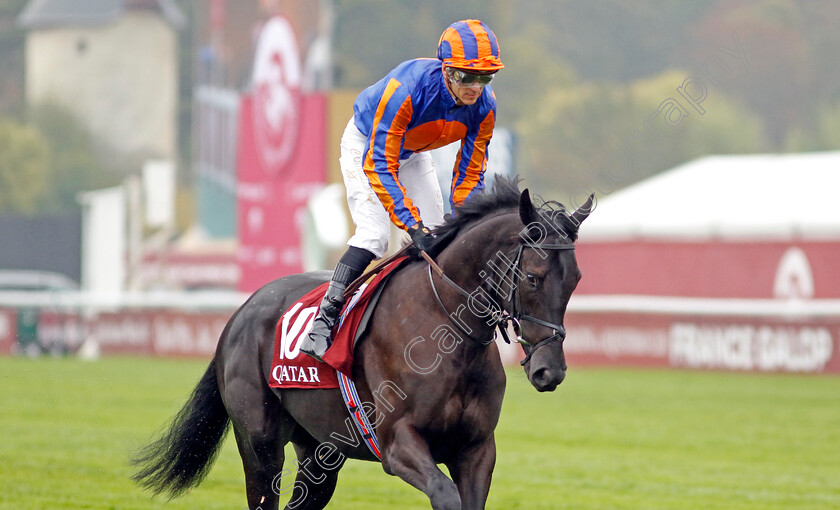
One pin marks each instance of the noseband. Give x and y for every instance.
(503, 317)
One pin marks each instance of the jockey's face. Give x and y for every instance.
(466, 87)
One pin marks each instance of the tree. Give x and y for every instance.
(75, 165)
(824, 134)
(531, 72)
(595, 137)
(24, 168)
(777, 72)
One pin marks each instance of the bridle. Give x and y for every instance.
(502, 317)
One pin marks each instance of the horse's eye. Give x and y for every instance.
(532, 279)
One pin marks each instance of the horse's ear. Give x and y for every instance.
(582, 212)
(526, 208)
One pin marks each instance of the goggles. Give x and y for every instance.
(465, 79)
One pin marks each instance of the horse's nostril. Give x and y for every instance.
(541, 377)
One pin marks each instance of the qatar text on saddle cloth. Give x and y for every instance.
(292, 369)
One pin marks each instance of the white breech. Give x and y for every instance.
(373, 225)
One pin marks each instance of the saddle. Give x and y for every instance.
(292, 369)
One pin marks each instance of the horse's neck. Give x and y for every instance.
(472, 263)
(471, 254)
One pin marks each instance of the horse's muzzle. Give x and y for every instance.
(547, 379)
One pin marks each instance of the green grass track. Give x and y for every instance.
(606, 439)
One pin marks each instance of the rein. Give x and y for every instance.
(503, 317)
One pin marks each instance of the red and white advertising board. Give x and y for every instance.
(281, 159)
(8, 330)
(717, 269)
(173, 269)
(726, 304)
(698, 341)
(158, 332)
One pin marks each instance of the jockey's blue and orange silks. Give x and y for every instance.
(410, 110)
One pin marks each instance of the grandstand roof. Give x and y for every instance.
(49, 13)
(758, 196)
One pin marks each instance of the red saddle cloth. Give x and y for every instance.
(292, 369)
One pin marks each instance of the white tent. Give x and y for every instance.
(760, 197)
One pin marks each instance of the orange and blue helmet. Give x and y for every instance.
(469, 45)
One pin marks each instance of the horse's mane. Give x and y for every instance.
(503, 196)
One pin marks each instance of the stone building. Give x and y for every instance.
(113, 63)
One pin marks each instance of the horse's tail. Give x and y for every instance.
(181, 457)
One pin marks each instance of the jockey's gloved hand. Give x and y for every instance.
(421, 235)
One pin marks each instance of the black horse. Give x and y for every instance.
(427, 368)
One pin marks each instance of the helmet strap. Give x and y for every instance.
(448, 82)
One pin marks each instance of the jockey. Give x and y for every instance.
(421, 105)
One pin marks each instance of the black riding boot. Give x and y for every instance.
(350, 267)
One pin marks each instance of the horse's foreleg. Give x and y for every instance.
(472, 472)
(407, 455)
